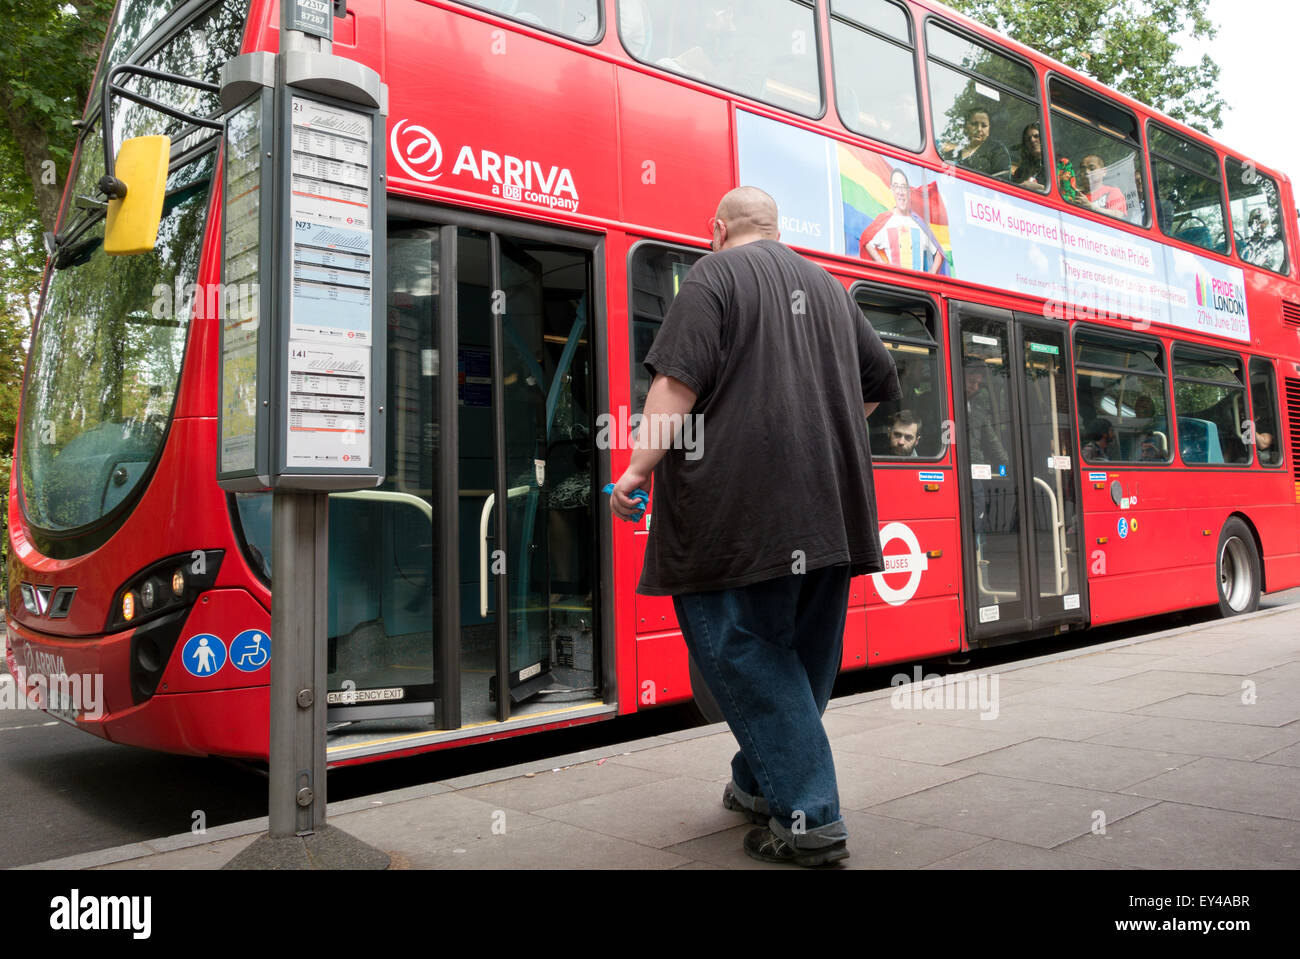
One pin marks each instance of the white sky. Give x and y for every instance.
(1257, 54)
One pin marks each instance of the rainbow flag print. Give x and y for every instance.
(868, 201)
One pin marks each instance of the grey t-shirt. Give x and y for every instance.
(780, 481)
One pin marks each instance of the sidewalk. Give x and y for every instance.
(1178, 750)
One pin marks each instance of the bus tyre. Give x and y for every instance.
(704, 706)
(1238, 569)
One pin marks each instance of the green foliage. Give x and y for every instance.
(1131, 45)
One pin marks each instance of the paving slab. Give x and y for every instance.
(1039, 814)
(1080, 764)
(1103, 697)
(1257, 788)
(1202, 738)
(557, 846)
(927, 742)
(1178, 682)
(1002, 854)
(658, 814)
(1031, 720)
(1238, 661)
(1176, 836)
(551, 788)
(1289, 756)
(1267, 709)
(212, 855)
(707, 758)
(866, 781)
(1075, 671)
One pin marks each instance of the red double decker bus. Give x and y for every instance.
(1094, 311)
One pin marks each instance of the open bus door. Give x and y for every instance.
(466, 590)
(1022, 524)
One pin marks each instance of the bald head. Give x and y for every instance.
(746, 214)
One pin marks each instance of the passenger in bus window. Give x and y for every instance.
(902, 237)
(1103, 198)
(1152, 431)
(1262, 247)
(1269, 454)
(904, 433)
(1136, 198)
(1032, 172)
(1100, 439)
(986, 447)
(982, 152)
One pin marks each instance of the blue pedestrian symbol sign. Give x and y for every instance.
(1123, 528)
(203, 655)
(250, 650)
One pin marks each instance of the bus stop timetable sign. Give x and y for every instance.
(314, 17)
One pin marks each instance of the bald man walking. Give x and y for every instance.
(757, 532)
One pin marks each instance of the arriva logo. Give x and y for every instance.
(416, 150)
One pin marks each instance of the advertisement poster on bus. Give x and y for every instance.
(851, 201)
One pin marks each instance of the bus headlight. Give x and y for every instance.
(145, 596)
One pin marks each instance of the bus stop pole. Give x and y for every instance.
(299, 626)
(299, 623)
(297, 835)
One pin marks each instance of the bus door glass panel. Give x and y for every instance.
(524, 391)
(992, 462)
(1052, 478)
(385, 542)
(538, 362)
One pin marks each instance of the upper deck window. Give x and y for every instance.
(575, 19)
(1098, 153)
(763, 49)
(1256, 217)
(1189, 194)
(875, 71)
(985, 109)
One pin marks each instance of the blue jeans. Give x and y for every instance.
(769, 653)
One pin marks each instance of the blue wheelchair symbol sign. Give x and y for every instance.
(250, 650)
(1002, 470)
(203, 655)
(1123, 528)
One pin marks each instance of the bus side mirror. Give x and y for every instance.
(133, 220)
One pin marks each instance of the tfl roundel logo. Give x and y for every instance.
(416, 150)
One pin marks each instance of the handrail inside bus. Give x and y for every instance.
(482, 544)
(1058, 529)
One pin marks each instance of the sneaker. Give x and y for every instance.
(732, 802)
(765, 846)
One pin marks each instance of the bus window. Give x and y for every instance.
(1098, 154)
(764, 49)
(1263, 396)
(1189, 195)
(875, 71)
(984, 106)
(1210, 398)
(1123, 413)
(1256, 217)
(655, 275)
(910, 427)
(577, 19)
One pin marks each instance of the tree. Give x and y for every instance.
(46, 66)
(1131, 45)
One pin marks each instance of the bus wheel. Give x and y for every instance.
(704, 706)
(1238, 570)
